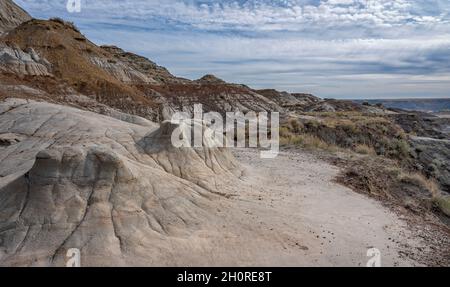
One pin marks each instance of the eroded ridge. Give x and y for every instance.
(108, 187)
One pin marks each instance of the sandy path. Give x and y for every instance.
(290, 212)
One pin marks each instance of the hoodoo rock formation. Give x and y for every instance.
(113, 189)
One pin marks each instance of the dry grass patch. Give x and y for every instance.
(443, 203)
(364, 133)
(419, 179)
(291, 136)
(365, 149)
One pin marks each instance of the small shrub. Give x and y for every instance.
(310, 141)
(365, 149)
(296, 140)
(71, 25)
(443, 203)
(312, 125)
(57, 20)
(400, 148)
(419, 179)
(395, 172)
(285, 132)
(295, 126)
(284, 141)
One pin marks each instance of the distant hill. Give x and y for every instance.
(11, 15)
(422, 105)
(51, 60)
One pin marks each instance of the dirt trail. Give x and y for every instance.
(299, 216)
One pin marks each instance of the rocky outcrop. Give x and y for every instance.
(121, 71)
(298, 102)
(11, 16)
(210, 79)
(220, 98)
(333, 105)
(79, 68)
(291, 102)
(422, 124)
(23, 63)
(118, 191)
(142, 65)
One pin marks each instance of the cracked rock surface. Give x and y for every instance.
(80, 180)
(27, 62)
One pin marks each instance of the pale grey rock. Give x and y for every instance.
(12, 90)
(9, 139)
(222, 102)
(153, 72)
(118, 191)
(15, 60)
(290, 101)
(325, 107)
(121, 71)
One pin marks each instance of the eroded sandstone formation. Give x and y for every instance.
(118, 191)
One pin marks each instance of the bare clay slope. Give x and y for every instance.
(52, 60)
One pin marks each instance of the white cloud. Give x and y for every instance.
(255, 15)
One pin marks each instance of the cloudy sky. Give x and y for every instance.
(332, 48)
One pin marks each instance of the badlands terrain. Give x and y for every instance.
(86, 162)
(120, 193)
